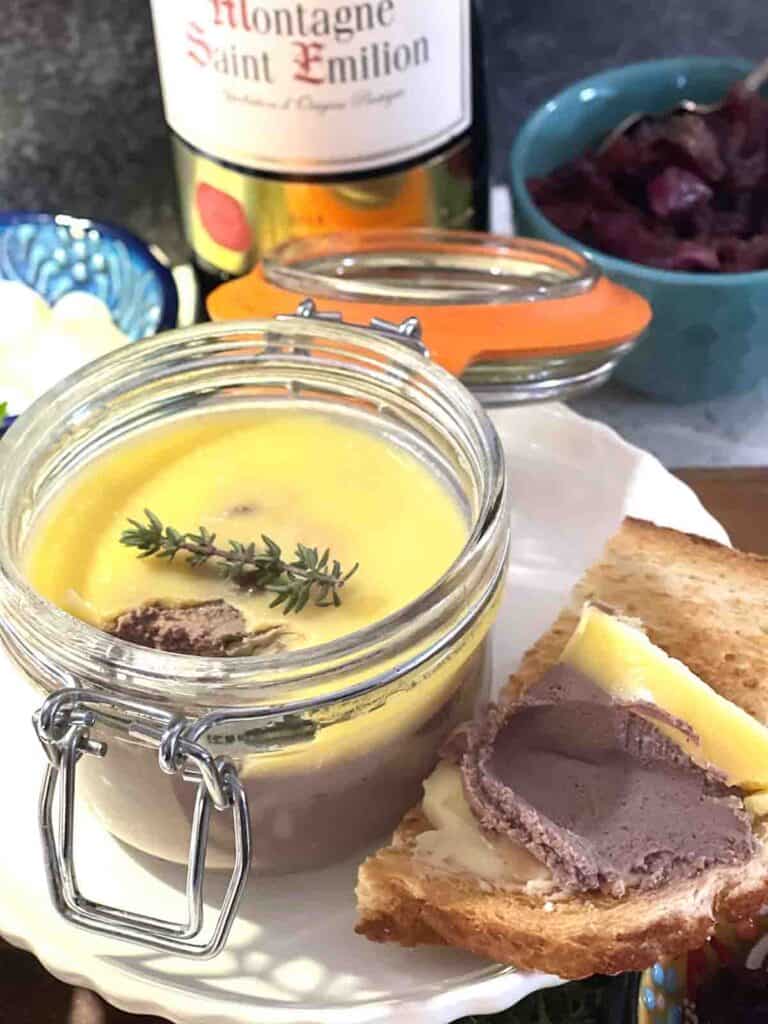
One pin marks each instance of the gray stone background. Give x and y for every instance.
(81, 129)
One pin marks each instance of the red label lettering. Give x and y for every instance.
(308, 55)
(198, 49)
(228, 6)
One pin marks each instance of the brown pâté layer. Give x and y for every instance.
(203, 628)
(596, 791)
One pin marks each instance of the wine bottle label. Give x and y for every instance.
(317, 87)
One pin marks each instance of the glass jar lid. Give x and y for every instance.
(425, 268)
(516, 319)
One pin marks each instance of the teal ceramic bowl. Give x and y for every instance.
(709, 334)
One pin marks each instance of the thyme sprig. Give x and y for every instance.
(309, 575)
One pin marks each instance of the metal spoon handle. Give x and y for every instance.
(757, 76)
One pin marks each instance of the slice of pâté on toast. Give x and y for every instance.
(701, 603)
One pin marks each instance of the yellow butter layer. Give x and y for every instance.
(456, 842)
(622, 660)
(296, 475)
(757, 804)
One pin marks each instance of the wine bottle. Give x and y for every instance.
(289, 118)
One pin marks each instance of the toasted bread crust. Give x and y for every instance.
(572, 937)
(704, 604)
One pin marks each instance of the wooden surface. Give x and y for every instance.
(739, 499)
(29, 995)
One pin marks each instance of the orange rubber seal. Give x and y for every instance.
(457, 335)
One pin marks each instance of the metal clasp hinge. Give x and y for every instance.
(63, 727)
(408, 331)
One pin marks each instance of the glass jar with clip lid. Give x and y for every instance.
(274, 761)
(517, 320)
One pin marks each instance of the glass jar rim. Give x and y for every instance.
(463, 267)
(250, 680)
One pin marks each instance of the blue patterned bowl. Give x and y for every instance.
(726, 980)
(58, 253)
(708, 332)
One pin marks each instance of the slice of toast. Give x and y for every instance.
(704, 604)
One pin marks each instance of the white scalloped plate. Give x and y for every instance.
(293, 957)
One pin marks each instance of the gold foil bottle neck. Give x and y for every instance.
(232, 217)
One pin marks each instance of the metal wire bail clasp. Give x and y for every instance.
(408, 331)
(63, 727)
